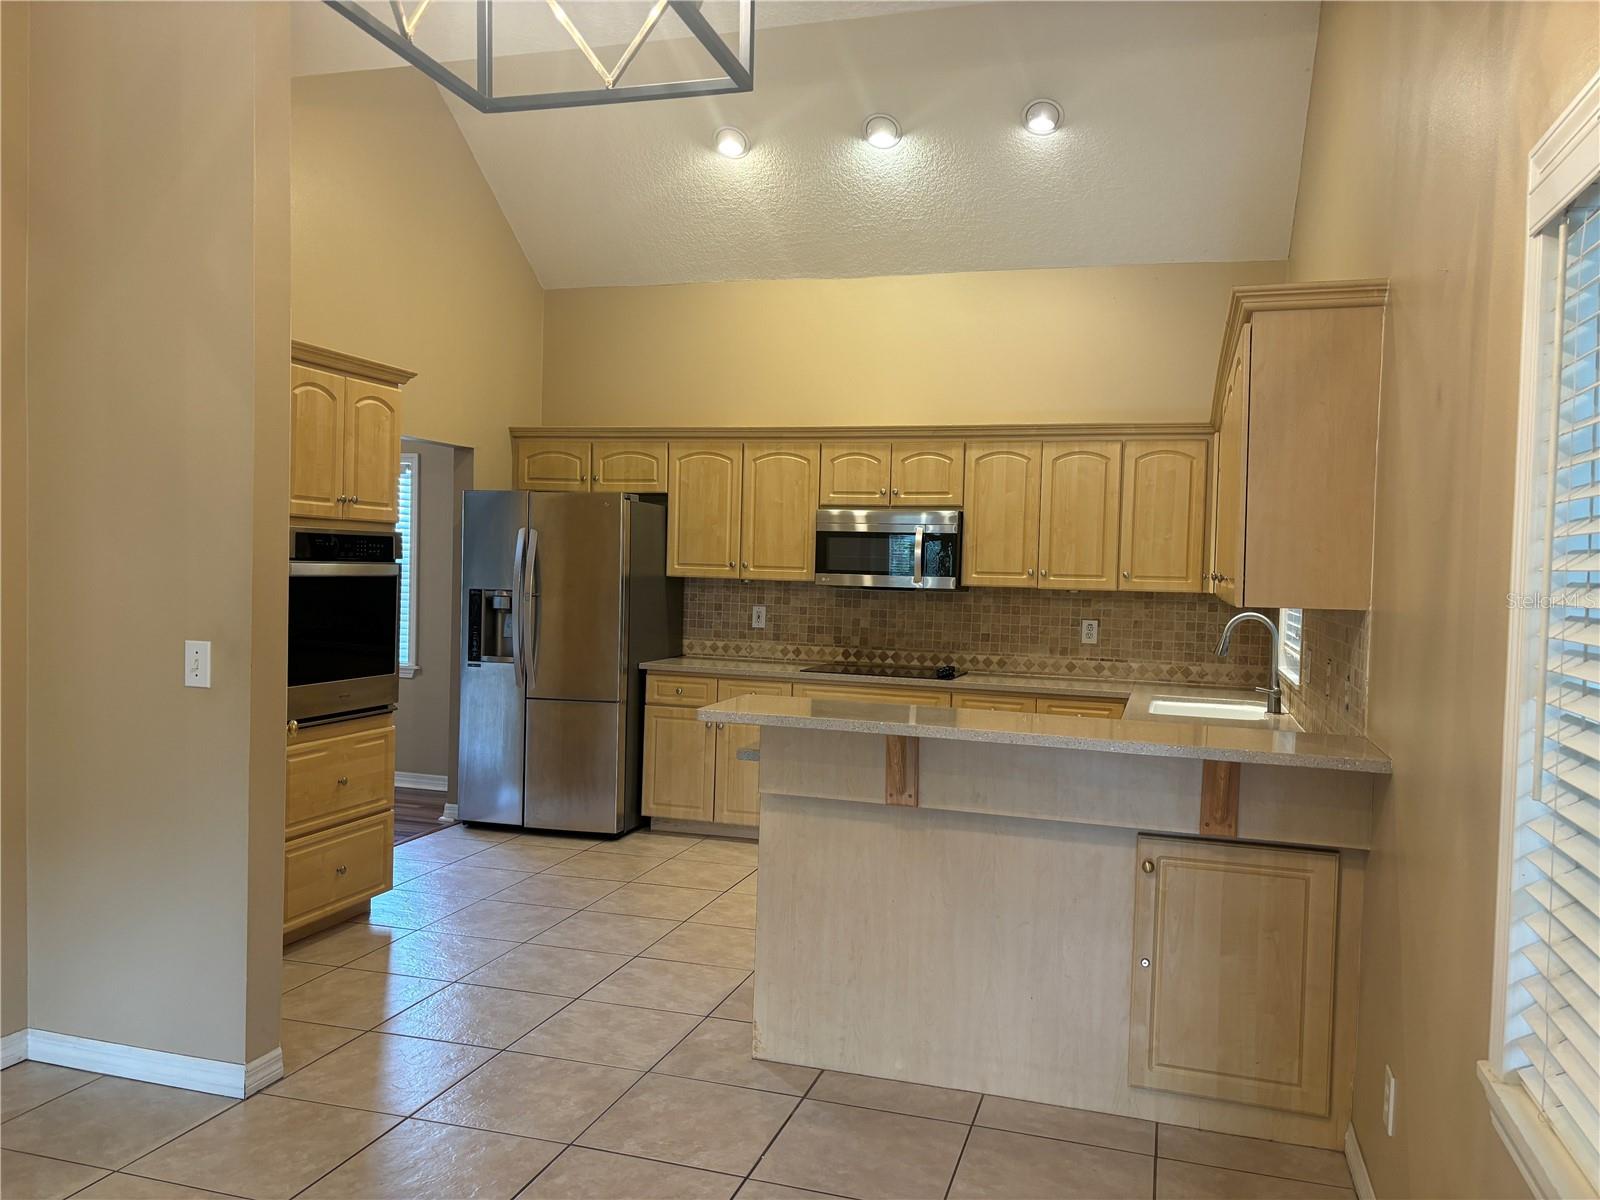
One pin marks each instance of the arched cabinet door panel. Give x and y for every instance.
(779, 539)
(553, 465)
(927, 474)
(372, 452)
(1000, 539)
(316, 446)
(854, 474)
(703, 488)
(1163, 515)
(1079, 503)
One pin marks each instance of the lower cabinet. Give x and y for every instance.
(338, 819)
(1233, 972)
(738, 794)
(1081, 706)
(692, 770)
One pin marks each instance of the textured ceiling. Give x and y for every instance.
(1181, 144)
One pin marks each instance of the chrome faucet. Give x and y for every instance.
(1275, 692)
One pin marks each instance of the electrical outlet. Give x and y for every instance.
(1089, 633)
(197, 664)
(1388, 1101)
(758, 616)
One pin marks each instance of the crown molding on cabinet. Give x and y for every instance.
(337, 361)
(855, 433)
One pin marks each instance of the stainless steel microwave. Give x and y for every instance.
(889, 547)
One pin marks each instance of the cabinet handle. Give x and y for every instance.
(340, 870)
(1147, 866)
(344, 780)
(294, 726)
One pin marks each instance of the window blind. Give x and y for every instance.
(405, 526)
(1291, 638)
(1553, 976)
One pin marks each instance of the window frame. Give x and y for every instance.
(1561, 166)
(1292, 645)
(406, 653)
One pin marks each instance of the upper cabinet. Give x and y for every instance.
(1296, 410)
(578, 465)
(344, 440)
(1163, 515)
(1080, 498)
(854, 474)
(779, 538)
(629, 466)
(553, 465)
(927, 474)
(909, 474)
(1000, 542)
(704, 488)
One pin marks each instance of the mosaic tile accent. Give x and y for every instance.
(1143, 636)
(1332, 694)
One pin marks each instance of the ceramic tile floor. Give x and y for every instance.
(528, 1016)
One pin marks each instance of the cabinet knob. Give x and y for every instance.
(881, 491)
(896, 491)
(355, 499)
(1145, 963)
(1147, 866)
(746, 566)
(340, 870)
(1030, 572)
(294, 726)
(344, 780)
(678, 691)
(340, 500)
(1127, 575)
(730, 564)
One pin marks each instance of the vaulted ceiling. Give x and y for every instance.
(1181, 141)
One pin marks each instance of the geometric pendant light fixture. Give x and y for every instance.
(399, 27)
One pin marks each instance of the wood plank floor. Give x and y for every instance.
(417, 813)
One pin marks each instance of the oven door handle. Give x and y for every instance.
(516, 610)
(303, 569)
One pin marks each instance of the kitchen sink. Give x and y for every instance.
(1212, 710)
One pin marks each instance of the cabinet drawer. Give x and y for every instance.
(1080, 706)
(873, 695)
(732, 689)
(332, 779)
(336, 868)
(689, 690)
(993, 702)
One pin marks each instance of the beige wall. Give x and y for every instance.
(401, 254)
(1415, 168)
(1115, 344)
(13, 517)
(157, 477)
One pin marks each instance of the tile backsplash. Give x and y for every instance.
(1143, 636)
(1332, 694)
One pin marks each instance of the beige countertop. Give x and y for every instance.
(1167, 738)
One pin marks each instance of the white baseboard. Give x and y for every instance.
(1357, 1165)
(421, 782)
(154, 1066)
(13, 1048)
(451, 812)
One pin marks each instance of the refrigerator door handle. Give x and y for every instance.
(527, 584)
(516, 609)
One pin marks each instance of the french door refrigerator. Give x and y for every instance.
(563, 595)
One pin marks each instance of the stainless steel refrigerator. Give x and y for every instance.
(563, 595)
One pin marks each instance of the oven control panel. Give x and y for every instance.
(323, 545)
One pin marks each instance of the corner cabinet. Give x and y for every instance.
(1163, 516)
(1233, 972)
(344, 440)
(1296, 411)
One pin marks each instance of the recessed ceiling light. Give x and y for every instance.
(882, 131)
(1042, 117)
(732, 143)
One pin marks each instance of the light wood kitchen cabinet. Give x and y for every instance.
(1000, 543)
(1080, 501)
(738, 796)
(1296, 409)
(679, 764)
(553, 465)
(344, 437)
(629, 466)
(927, 474)
(338, 819)
(1163, 515)
(854, 474)
(917, 697)
(779, 510)
(1081, 706)
(1233, 972)
(993, 702)
(704, 486)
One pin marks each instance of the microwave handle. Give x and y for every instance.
(916, 570)
(516, 608)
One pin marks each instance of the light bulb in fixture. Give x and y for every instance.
(1042, 117)
(732, 143)
(881, 130)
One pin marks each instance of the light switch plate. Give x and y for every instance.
(197, 664)
(1089, 633)
(758, 616)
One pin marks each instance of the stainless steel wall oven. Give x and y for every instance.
(344, 622)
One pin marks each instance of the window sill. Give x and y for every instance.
(1546, 1166)
(407, 670)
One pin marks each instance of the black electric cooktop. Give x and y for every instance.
(887, 672)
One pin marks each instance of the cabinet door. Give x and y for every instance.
(1237, 1000)
(738, 796)
(629, 467)
(553, 465)
(1163, 515)
(372, 452)
(1232, 438)
(992, 702)
(780, 510)
(854, 474)
(334, 779)
(1079, 499)
(703, 509)
(926, 474)
(316, 443)
(1000, 542)
(679, 764)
